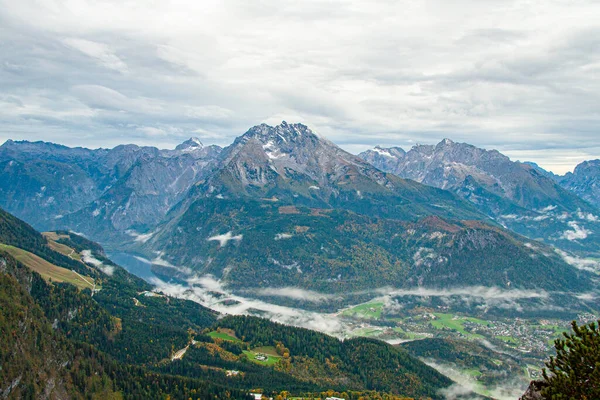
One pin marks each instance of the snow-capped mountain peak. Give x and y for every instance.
(191, 144)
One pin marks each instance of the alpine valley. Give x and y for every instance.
(459, 258)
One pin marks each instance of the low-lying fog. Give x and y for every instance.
(211, 293)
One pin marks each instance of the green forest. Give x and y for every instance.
(122, 341)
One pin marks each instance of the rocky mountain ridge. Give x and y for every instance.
(282, 204)
(98, 191)
(518, 195)
(584, 181)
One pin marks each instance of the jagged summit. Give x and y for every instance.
(515, 194)
(391, 152)
(192, 143)
(280, 133)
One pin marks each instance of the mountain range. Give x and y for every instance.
(282, 206)
(520, 196)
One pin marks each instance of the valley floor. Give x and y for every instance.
(515, 329)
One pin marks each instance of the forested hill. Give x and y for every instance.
(103, 331)
(41, 360)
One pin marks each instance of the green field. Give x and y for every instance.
(410, 335)
(455, 323)
(59, 247)
(473, 372)
(478, 321)
(367, 332)
(508, 339)
(223, 336)
(48, 271)
(268, 351)
(367, 311)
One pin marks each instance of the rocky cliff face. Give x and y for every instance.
(517, 195)
(101, 192)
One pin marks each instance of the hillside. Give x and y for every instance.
(105, 193)
(40, 360)
(139, 336)
(265, 245)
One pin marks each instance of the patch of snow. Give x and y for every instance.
(274, 155)
(314, 187)
(281, 236)
(270, 144)
(88, 258)
(225, 238)
(96, 212)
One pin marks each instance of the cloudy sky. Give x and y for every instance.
(519, 76)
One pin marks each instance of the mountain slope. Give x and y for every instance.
(134, 333)
(517, 195)
(287, 208)
(103, 193)
(584, 181)
(264, 245)
(292, 165)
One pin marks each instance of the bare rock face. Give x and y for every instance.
(584, 181)
(99, 192)
(534, 391)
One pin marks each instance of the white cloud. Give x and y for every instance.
(203, 289)
(88, 258)
(225, 238)
(580, 263)
(577, 232)
(518, 76)
(99, 51)
(586, 216)
(140, 237)
(295, 293)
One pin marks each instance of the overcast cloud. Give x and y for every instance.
(519, 76)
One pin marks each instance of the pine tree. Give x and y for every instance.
(575, 371)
